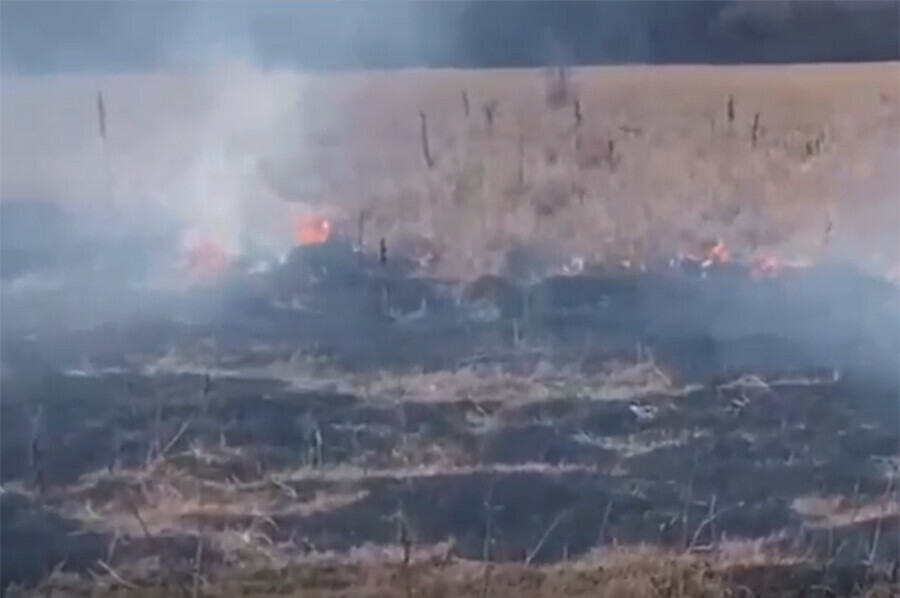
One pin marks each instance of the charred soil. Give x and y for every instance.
(703, 415)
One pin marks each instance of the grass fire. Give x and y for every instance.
(448, 333)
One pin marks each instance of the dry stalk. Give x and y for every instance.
(465, 102)
(406, 569)
(488, 539)
(605, 521)
(729, 109)
(688, 499)
(754, 131)
(111, 547)
(36, 455)
(198, 568)
(174, 440)
(115, 450)
(360, 234)
(426, 149)
(553, 524)
(112, 573)
(490, 112)
(101, 117)
(612, 158)
(156, 443)
(710, 519)
(206, 396)
(135, 512)
(855, 500)
(318, 447)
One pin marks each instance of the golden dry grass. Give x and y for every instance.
(679, 171)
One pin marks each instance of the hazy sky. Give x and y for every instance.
(88, 35)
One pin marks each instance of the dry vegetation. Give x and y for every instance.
(641, 161)
(603, 162)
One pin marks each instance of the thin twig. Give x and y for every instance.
(710, 518)
(688, 499)
(156, 442)
(116, 576)
(426, 149)
(137, 515)
(605, 521)
(198, 567)
(754, 132)
(175, 439)
(406, 542)
(111, 547)
(547, 532)
(488, 539)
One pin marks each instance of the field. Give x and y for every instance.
(534, 395)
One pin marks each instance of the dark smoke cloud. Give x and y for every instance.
(75, 35)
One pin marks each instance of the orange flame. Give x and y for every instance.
(766, 267)
(205, 258)
(717, 254)
(314, 230)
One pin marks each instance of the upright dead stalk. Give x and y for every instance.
(490, 113)
(115, 449)
(36, 455)
(101, 116)
(520, 178)
(486, 553)
(198, 567)
(689, 497)
(361, 234)
(384, 298)
(207, 392)
(156, 441)
(605, 521)
(754, 131)
(426, 149)
(405, 565)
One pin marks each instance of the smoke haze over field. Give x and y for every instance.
(282, 261)
(214, 117)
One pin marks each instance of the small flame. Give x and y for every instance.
(314, 230)
(766, 267)
(717, 254)
(204, 258)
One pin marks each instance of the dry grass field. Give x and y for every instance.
(802, 162)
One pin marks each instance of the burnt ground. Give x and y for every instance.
(728, 431)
